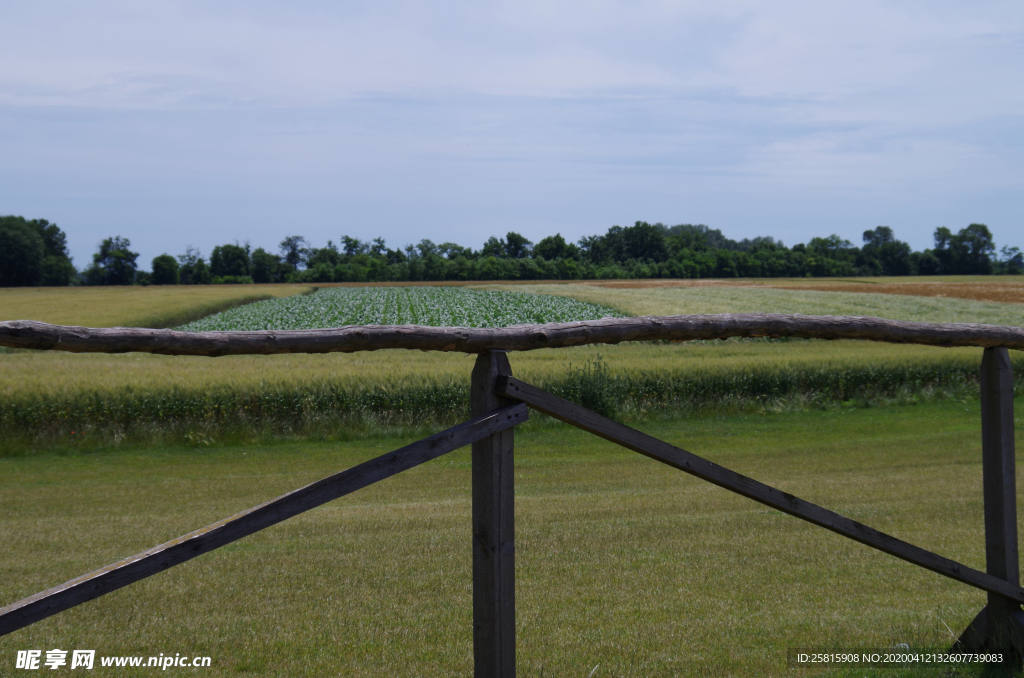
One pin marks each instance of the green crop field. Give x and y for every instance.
(622, 564)
(436, 306)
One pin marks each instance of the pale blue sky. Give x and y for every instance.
(177, 123)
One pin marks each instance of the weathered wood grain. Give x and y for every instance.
(177, 551)
(999, 472)
(748, 487)
(998, 625)
(36, 335)
(494, 583)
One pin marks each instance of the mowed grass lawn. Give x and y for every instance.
(621, 562)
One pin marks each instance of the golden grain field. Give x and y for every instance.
(155, 306)
(60, 374)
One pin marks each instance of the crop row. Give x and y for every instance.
(435, 306)
(330, 408)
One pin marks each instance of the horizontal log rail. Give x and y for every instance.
(688, 462)
(177, 551)
(29, 334)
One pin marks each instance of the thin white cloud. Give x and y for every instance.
(533, 107)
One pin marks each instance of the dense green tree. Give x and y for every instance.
(969, 252)
(1012, 260)
(699, 237)
(643, 242)
(834, 246)
(113, 263)
(294, 251)
(517, 246)
(493, 247)
(925, 263)
(21, 253)
(57, 269)
(426, 248)
(33, 252)
(643, 250)
(266, 267)
(607, 248)
(555, 247)
(686, 238)
(396, 257)
(231, 262)
(974, 249)
(512, 246)
(351, 246)
(758, 243)
(327, 257)
(165, 270)
(831, 256)
(450, 250)
(193, 269)
(883, 254)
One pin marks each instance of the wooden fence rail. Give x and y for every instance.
(499, 402)
(37, 335)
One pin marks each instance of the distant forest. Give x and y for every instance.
(34, 252)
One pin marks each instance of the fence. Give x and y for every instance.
(499, 402)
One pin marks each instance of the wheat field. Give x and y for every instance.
(155, 306)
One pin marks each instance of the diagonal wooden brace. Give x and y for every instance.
(177, 551)
(748, 487)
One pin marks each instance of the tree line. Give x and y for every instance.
(35, 253)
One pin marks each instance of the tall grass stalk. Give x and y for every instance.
(342, 408)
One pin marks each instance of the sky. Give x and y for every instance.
(195, 123)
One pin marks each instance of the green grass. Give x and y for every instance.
(621, 562)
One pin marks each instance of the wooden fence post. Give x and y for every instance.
(494, 612)
(1000, 625)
